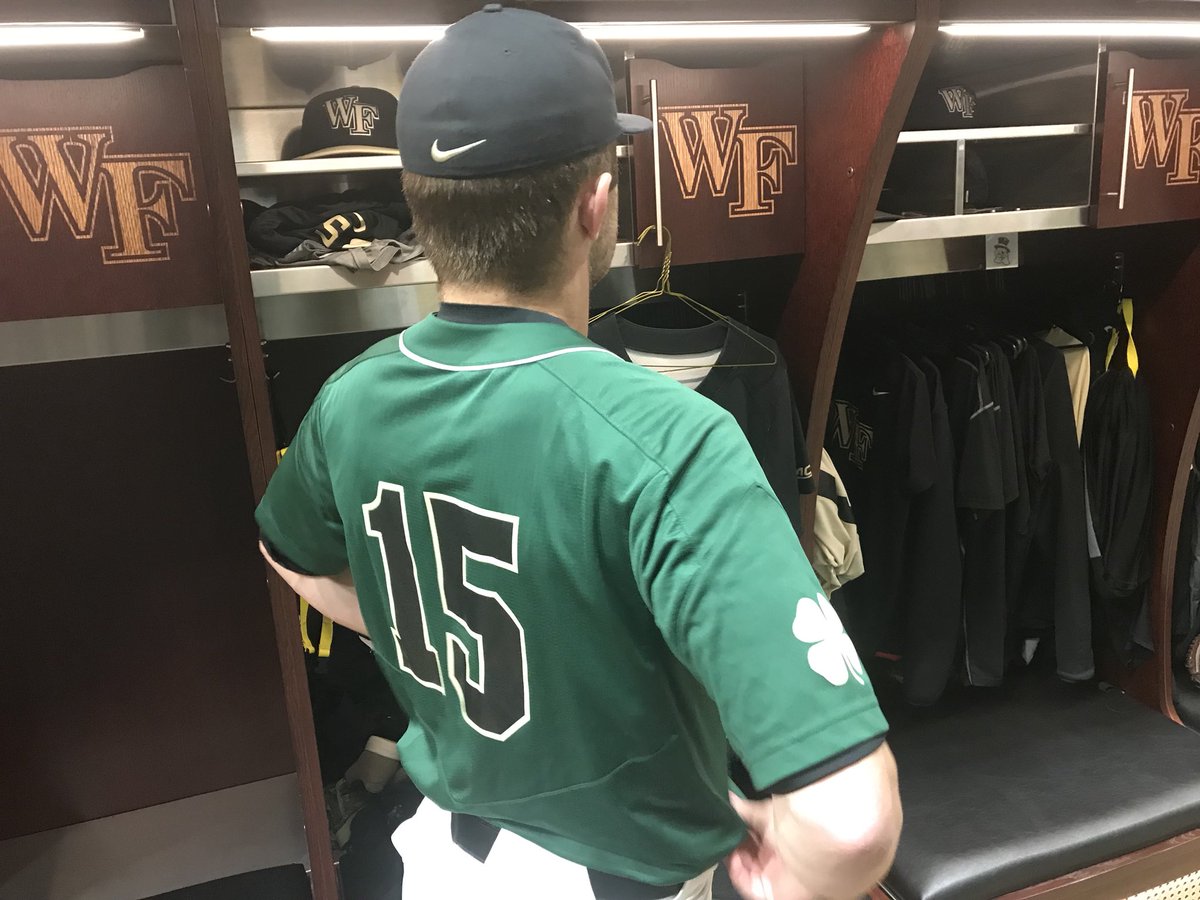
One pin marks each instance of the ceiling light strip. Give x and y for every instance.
(67, 35)
(310, 34)
(600, 31)
(1113, 28)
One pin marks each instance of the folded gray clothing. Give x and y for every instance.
(376, 255)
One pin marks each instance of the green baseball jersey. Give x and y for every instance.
(577, 582)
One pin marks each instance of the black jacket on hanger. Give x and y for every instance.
(1050, 586)
(880, 435)
(986, 484)
(932, 613)
(1118, 458)
(758, 397)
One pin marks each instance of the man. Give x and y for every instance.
(572, 569)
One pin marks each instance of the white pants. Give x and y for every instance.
(436, 868)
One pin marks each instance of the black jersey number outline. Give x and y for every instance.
(463, 534)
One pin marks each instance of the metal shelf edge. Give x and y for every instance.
(939, 227)
(332, 165)
(337, 165)
(65, 338)
(320, 279)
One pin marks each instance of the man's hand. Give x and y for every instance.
(832, 840)
(755, 866)
(332, 595)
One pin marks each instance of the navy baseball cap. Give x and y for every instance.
(506, 90)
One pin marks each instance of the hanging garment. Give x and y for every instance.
(711, 360)
(1118, 459)
(1185, 608)
(933, 575)
(880, 436)
(1004, 392)
(1049, 566)
(982, 492)
(1035, 444)
(994, 363)
(1078, 360)
(837, 556)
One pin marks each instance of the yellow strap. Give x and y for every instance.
(326, 640)
(326, 636)
(308, 644)
(1131, 354)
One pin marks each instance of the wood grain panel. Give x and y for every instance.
(731, 160)
(137, 662)
(1125, 875)
(1165, 126)
(1172, 375)
(1120, 877)
(102, 197)
(200, 44)
(857, 101)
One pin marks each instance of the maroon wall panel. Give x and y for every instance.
(1166, 326)
(138, 660)
(1161, 157)
(858, 96)
(102, 201)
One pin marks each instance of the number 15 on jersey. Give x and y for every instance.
(486, 660)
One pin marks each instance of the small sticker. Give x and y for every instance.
(1000, 251)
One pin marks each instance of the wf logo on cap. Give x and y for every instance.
(347, 111)
(71, 170)
(348, 121)
(715, 144)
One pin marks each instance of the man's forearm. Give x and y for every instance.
(332, 595)
(839, 835)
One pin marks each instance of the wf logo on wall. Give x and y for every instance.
(67, 180)
(1166, 132)
(714, 146)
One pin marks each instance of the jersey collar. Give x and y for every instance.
(482, 314)
(451, 346)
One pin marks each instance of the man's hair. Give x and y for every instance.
(506, 231)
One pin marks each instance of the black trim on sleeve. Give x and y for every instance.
(274, 553)
(805, 777)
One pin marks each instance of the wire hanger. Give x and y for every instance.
(663, 289)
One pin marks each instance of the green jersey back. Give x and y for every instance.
(577, 582)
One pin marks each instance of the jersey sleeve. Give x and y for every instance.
(298, 516)
(738, 603)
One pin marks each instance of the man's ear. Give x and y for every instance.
(593, 205)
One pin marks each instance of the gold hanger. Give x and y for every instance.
(663, 289)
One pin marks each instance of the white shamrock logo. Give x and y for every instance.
(832, 654)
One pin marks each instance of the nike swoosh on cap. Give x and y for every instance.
(441, 156)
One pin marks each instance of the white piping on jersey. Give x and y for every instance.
(445, 367)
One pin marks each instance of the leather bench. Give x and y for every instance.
(1005, 791)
